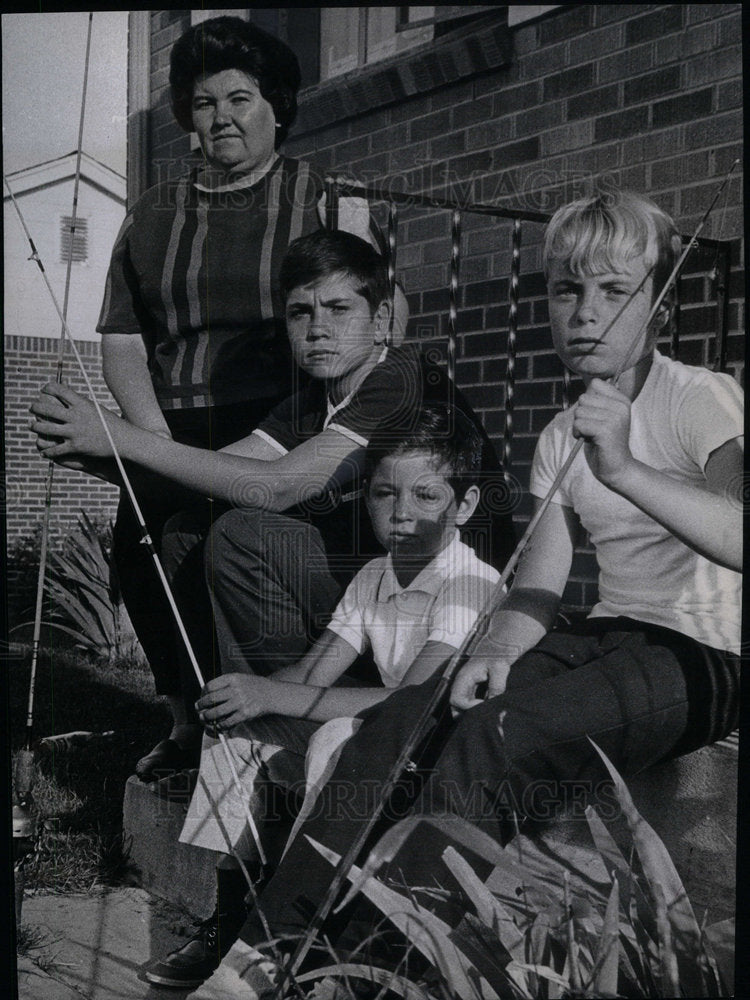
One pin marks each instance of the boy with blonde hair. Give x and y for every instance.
(654, 670)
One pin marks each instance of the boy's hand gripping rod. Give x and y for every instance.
(468, 647)
(146, 540)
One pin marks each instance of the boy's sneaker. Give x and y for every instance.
(191, 964)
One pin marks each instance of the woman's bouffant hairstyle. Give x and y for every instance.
(231, 43)
(327, 252)
(443, 431)
(599, 232)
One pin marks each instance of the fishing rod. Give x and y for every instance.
(145, 539)
(23, 771)
(441, 692)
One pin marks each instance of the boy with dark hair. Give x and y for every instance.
(298, 530)
(411, 609)
(654, 670)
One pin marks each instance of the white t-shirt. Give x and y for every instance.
(441, 604)
(681, 415)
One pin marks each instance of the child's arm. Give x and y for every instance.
(322, 665)
(234, 698)
(706, 517)
(528, 611)
(273, 482)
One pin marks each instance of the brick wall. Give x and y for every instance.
(29, 363)
(645, 96)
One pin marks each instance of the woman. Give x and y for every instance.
(193, 344)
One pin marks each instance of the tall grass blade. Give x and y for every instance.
(424, 930)
(661, 874)
(489, 909)
(396, 836)
(370, 973)
(721, 939)
(670, 976)
(604, 978)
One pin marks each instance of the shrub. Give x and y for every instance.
(635, 937)
(83, 593)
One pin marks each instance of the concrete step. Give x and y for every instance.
(690, 802)
(180, 873)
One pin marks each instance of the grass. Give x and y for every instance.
(78, 791)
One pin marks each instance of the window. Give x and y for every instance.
(79, 239)
(198, 16)
(356, 36)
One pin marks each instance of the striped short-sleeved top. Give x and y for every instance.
(195, 273)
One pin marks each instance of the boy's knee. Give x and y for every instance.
(233, 531)
(180, 535)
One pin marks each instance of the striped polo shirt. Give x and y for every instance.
(195, 273)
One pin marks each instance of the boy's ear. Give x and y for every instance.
(661, 319)
(663, 313)
(468, 505)
(381, 322)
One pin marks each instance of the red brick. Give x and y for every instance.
(713, 11)
(665, 20)
(491, 133)
(623, 123)
(593, 102)
(678, 170)
(570, 81)
(730, 95)
(623, 65)
(686, 107)
(566, 24)
(651, 85)
(446, 146)
(572, 136)
(527, 95)
(596, 43)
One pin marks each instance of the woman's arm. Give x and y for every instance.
(125, 369)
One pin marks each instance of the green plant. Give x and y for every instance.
(85, 596)
(636, 936)
(21, 572)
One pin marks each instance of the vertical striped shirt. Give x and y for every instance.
(195, 273)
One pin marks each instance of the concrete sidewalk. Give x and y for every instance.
(95, 946)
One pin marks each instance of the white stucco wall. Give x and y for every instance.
(28, 310)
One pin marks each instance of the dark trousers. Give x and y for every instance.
(268, 590)
(642, 693)
(159, 499)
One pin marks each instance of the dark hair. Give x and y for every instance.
(327, 252)
(444, 431)
(233, 43)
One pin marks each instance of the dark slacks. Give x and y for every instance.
(205, 427)
(642, 693)
(268, 590)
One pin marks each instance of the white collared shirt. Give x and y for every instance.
(441, 604)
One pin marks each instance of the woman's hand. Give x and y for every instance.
(67, 424)
(602, 419)
(233, 698)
